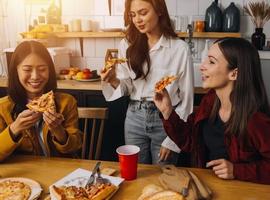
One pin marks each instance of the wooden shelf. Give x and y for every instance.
(210, 34)
(89, 35)
(121, 34)
(82, 35)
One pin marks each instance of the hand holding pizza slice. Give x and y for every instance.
(111, 62)
(160, 85)
(43, 103)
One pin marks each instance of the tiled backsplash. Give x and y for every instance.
(95, 49)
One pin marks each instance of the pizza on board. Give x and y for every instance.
(14, 190)
(113, 61)
(160, 85)
(97, 191)
(43, 103)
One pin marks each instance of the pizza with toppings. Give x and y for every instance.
(113, 61)
(14, 190)
(43, 103)
(160, 85)
(98, 191)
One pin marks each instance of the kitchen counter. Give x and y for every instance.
(264, 55)
(78, 85)
(67, 84)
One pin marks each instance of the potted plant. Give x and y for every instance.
(259, 13)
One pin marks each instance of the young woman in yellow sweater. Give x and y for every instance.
(52, 133)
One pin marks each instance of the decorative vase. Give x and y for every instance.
(258, 38)
(213, 18)
(53, 14)
(231, 19)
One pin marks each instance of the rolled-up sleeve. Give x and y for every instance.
(122, 72)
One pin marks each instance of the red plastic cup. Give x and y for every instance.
(128, 161)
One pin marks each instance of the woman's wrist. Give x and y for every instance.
(14, 135)
(13, 129)
(166, 113)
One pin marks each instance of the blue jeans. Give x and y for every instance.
(144, 128)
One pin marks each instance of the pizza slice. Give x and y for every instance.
(14, 190)
(113, 61)
(98, 191)
(160, 85)
(43, 103)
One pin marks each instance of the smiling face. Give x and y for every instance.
(144, 16)
(215, 71)
(33, 73)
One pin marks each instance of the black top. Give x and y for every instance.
(213, 137)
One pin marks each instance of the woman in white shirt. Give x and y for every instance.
(153, 51)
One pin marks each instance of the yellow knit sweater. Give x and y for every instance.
(28, 144)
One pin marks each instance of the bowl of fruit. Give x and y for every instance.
(74, 73)
(87, 75)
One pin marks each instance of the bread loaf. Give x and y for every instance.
(155, 192)
(165, 195)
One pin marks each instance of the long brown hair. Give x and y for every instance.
(138, 50)
(249, 94)
(15, 89)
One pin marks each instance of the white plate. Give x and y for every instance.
(79, 177)
(88, 80)
(35, 186)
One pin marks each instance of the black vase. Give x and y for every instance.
(213, 18)
(258, 38)
(231, 19)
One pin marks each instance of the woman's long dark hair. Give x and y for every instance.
(138, 50)
(249, 94)
(15, 89)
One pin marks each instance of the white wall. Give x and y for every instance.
(94, 49)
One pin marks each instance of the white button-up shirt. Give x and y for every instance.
(168, 57)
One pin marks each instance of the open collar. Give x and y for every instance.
(163, 42)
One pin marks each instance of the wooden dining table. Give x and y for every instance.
(47, 171)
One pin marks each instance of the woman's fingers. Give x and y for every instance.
(107, 75)
(220, 171)
(164, 153)
(214, 162)
(222, 168)
(53, 119)
(29, 117)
